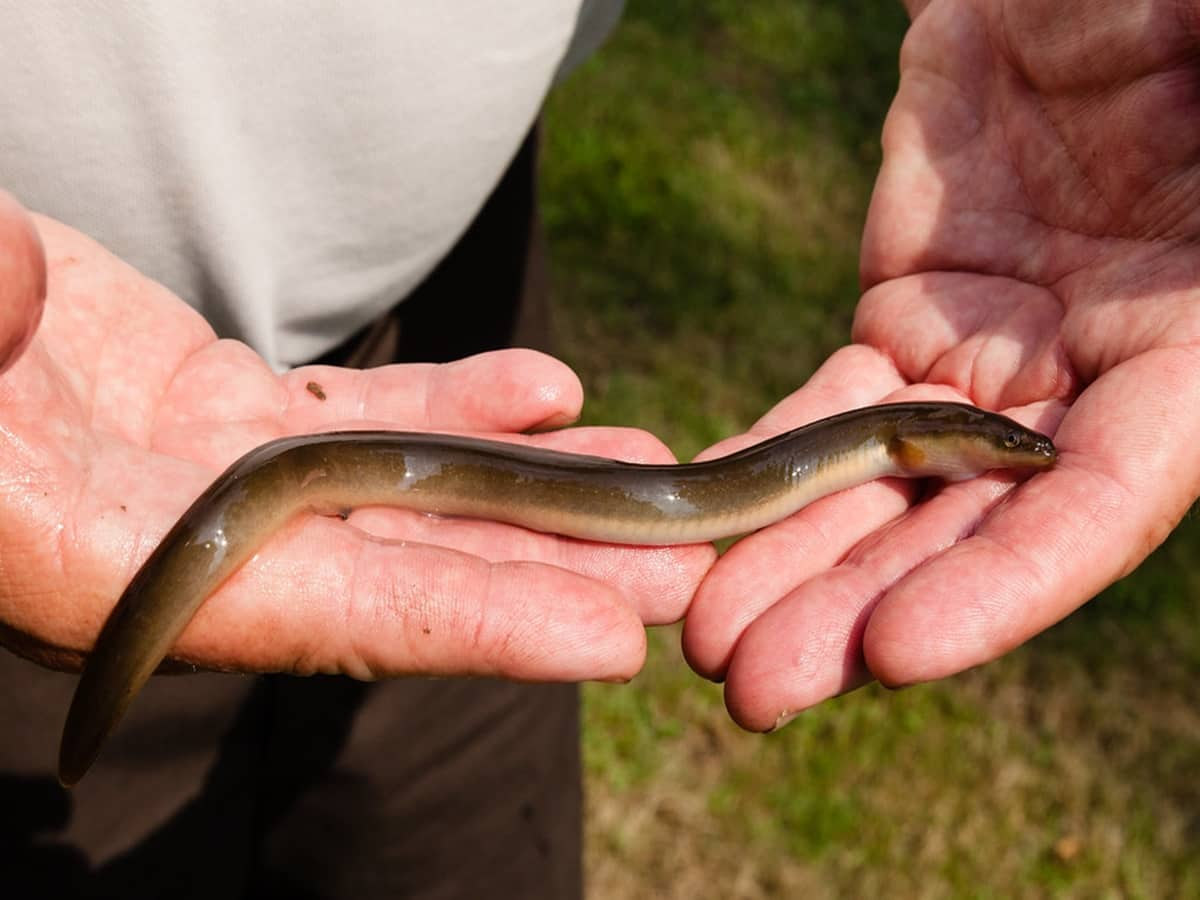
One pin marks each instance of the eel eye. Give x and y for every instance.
(1011, 439)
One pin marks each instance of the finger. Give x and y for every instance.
(328, 599)
(993, 339)
(763, 567)
(853, 376)
(658, 582)
(808, 646)
(1126, 475)
(130, 498)
(225, 400)
(505, 390)
(22, 280)
(323, 596)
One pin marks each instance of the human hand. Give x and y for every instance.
(124, 406)
(1032, 247)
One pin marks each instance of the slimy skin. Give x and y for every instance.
(577, 496)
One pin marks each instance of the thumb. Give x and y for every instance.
(22, 280)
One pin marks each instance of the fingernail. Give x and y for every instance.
(784, 718)
(552, 422)
(614, 679)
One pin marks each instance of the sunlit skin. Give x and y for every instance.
(587, 497)
(124, 407)
(1031, 247)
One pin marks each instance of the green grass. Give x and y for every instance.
(700, 198)
(705, 183)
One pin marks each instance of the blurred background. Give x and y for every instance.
(705, 181)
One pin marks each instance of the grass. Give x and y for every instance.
(693, 203)
(705, 183)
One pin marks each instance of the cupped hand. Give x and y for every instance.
(124, 406)
(1033, 246)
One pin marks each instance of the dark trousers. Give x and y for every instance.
(222, 786)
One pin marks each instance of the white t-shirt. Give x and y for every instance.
(289, 169)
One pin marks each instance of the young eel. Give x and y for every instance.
(578, 496)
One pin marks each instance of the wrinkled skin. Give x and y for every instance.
(1032, 246)
(124, 405)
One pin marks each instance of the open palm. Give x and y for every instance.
(1033, 246)
(123, 407)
